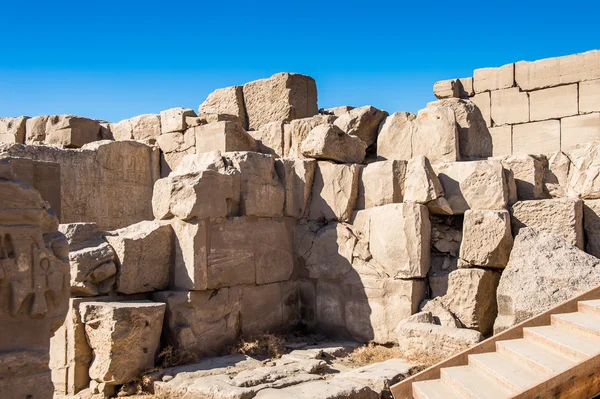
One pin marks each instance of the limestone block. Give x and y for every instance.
(488, 79)
(262, 309)
(556, 175)
(334, 191)
(528, 172)
(399, 239)
(140, 127)
(297, 177)
(174, 119)
(362, 122)
(297, 130)
(379, 376)
(270, 138)
(473, 185)
(395, 136)
(509, 106)
(561, 216)
(536, 137)
(483, 101)
(501, 140)
(551, 72)
(262, 193)
(35, 129)
(201, 323)
(227, 101)
(583, 166)
(421, 184)
(12, 130)
(554, 102)
(227, 252)
(71, 131)
(223, 136)
(487, 239)
(338, 111)
(381, 183)
(329, 142)
(474, 138)
(466, 87)
(145, 255)
(579, 130)
(540, 275)
(124, 337)
(446, 89)
(589, 96)
(282, 97)
(437, 309)
(330, 255)
(435, 134)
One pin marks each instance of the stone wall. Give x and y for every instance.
(535, 107)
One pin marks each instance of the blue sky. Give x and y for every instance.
(116, 59)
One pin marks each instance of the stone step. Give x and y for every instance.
(471, 383)
(591, 306)
(433, 389)
(534, 355)
(583, 323)
(564, 341)
(506, 371)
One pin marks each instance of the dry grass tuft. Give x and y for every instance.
(171, 357)
(260, 346)
(372, 353)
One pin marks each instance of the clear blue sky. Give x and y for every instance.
(116, 59)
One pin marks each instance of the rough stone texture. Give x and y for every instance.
(381, 183)
(399, 239)
(330, 255)
(140, 127)
(421, 184)
(473, 185)
(509, 106)
(297, 130)
(487, 239)
(501, 140)
(362, 122)
(591, 225)
(109, 183)
(334, 191)
(562, 217)
(71, 131)
(556, 175)
(543, 136)
(555, 102)
(446, 89)
(297, 177)
(528, 173)
(227, 101)
(12, 130)
(174, 119)
(540, 275)
(144, 254)
(223, 136)
(471, 298)
(35, 129)
(124, 337)
(488, 79)
(329, 142)
(483, 101)
(270, 139)
(557, 71)
(222, 253)
(440, 314)
(580, 129)
(583, 167)
(395, 136)
(337, 111)
(282, 97)
(332, 389)
(589, 96)
(174, 146)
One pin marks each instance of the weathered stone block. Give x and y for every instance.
(446, 89)
(329, 142)
(297, 130)
(262, 309)
(487, 239)
(395, 136)
(227, 101)
(536, 137)
(466, 87)
(501, 140)
(435, 134)
(270, 139)
(362, 122)
(421, 184)
(141, 127)
(589, 96)
(12, 130)
(591, 225)
(528, 172)
(71, 131)
(334, 191)
(223, 136)
(337, 111)
(330, 255)
(579, 130)
(174, 119)
(297, 177)
(509, 106)
(488, 79)
(554, 102)
(35, 129)
(483, 101)
(381, 183)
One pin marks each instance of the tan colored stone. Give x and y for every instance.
(35, 129)
(282, 97)
(399, 239)
(228, 101)
(12, 130)
(583, 167)
(536, 137)
(362, 122)
(501, 140)
(446, 89)
(483, 101)
(579, 130)
(436, 134)
(176, 141)
(589, 96)
(270, 138)
(554, 102)
(124, 337)
(334, 191)
(330, 255)
(297, 130)
(556, 175)
(381, 183)
(473, 185)
(71, 131)
(551, 72)
(338, 111)
(591, 225)
(466, 87)
(441, 315)
(174, 119)
(422, 184)
(262, 309)
(509, 106)
(562, 217)
(141, 127)
(297, 177)
(329, 142)
(487, 239)
(528, 172)
(321, 389)
(488, 79)
(223, 136)
(395, 136)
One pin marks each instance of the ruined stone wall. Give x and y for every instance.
(535, 107)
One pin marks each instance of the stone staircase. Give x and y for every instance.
(554, 355)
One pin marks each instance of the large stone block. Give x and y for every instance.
(262, 309)
(223, 136)
(483, 101)
(583, 167)
(589, 96)
(421, 184)
(557, 71)
(71, 131)
(446, 89)
(562, 217)
(362, 122)
(140, 127)
(488, 79)
(509, 106)
(487, 239)
(555, 102)
(296, 131)
(329, 142)
(501, 140)
(536, 137)
(334, 191)
(580, 129)
(528, 172)
(297, 177)
(330, 255)
(12, 130)
(476, 185)
(227, 101)
(270, 139)
(282, 97)
(381, 183)
(175, 119)
(145, 256)
(399, 239)
(124, 337)
(35, 129)
(395, 136)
